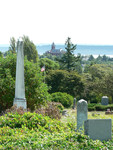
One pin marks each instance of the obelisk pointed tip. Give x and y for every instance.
(20, 39)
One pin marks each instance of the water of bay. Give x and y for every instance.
(94, 50)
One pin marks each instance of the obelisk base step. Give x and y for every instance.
(20, 102)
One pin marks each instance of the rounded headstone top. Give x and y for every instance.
(82, 101)
(82, 105)
(105, 100)
(104, 97)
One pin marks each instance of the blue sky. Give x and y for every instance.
(45, 21)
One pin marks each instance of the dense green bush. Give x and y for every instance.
(91, 108)
(49, 64)
(7, 81)
(36, 90)
(34, 131)
(99, 107)
(14, 109)
(52, 109)
(59, 106)
(65, 82)
(104, 107)
(31, 121)
(65, 99)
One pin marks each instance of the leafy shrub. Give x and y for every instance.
(52, 109)
(34, 131)
(14, 109)
(91, 108)
(65, 99)
(65, 82)
(104, 107)
(110, 106)
(24, 138)
(59, 106)
(99, 107)
(36, 90)
(31, 121)
(49, 64)
(91, 104)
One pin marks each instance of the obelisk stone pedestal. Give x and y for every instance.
(20, 99)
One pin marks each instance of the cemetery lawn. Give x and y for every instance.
(72, 116)
(33, 131)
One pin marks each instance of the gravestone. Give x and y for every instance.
(104, 100)
(98, 129)
(82, 110)
(64, 113)
(74, 103)
(108, 112)
(20, 99)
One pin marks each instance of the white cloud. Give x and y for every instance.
(45, 21)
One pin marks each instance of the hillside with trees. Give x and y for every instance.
(81, 77)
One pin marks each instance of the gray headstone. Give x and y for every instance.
(98, 129)
(104, 100)
(20, 99)
(64, 113)
(82, 109)
(74, 103)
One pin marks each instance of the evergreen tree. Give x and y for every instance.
(99, 59)
(91, 58)
(104, 58)
(68, 60)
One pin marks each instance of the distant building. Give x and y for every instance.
(54, 51)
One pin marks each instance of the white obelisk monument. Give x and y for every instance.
(20, 99)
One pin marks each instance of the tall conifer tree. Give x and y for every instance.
(68, 61)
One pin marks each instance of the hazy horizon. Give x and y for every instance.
(82, 49)
(41, 44)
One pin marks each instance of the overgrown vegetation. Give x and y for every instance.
(34, 131)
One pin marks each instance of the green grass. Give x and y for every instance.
(72, 116)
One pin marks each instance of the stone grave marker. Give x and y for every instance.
(64, 113)
(104, 100)
(98, 129)
(82, 110)
(74, 103)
